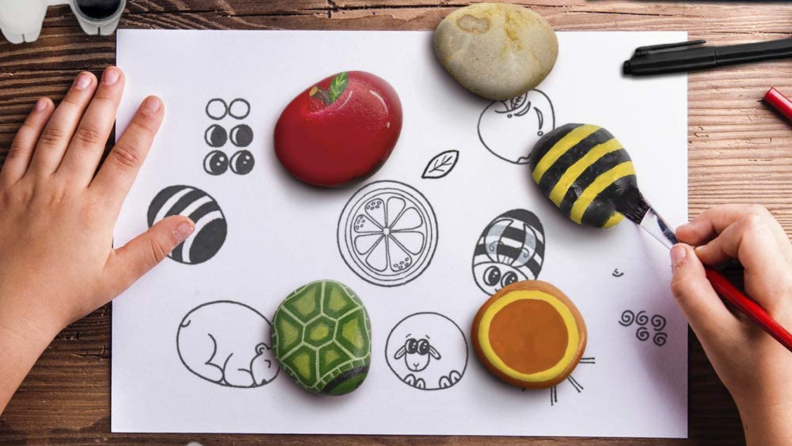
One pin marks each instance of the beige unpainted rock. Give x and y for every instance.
(495, 50)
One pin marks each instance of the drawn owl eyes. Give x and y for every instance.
(241, 135)
(492, 276)
(216, 163)
(508, 279)
(242, 162)
(421, 347)
(216, 135)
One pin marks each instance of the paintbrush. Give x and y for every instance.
(589, 176)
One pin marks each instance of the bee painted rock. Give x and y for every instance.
(529, 334)
(211, 228)
(584, 170)
(227, 343)
(510, 249)
(497, 51)
(322, 338)
(339, 130)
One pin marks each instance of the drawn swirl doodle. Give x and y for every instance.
(642, 334)
(627, 318)
(660, 338)
(642, 319)
(658, 322)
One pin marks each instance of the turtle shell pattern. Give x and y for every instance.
(322, 338)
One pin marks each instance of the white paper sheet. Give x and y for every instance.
(281, 235)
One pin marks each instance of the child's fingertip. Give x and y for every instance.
(42, 105)
(152, 104)
(111, 75)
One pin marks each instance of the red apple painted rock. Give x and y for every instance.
(340, 130)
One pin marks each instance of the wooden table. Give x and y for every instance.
(739, 152)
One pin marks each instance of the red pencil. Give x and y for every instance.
(778, 101)
(749, 307)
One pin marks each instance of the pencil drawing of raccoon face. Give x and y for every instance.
(511, 248)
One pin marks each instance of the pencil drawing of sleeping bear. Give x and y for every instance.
(227, 343)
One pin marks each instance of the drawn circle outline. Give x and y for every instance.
(232, 104)
(430, 313)
(225, 107)
(357, 200)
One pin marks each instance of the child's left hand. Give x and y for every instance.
(57, 214)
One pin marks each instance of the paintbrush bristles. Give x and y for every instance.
(633, 205)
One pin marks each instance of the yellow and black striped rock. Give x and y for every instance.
(585, 171)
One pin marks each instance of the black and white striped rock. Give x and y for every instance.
(211, 228)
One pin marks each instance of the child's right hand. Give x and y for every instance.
(753, 366)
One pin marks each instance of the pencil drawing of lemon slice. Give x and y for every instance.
(387, 233)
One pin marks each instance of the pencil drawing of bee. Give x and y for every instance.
(510, 249)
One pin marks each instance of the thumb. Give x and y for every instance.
(703, 308)
(145, 251)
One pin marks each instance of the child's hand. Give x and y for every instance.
(57, 214)
(753, 366)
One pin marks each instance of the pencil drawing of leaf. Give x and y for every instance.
(441, 165)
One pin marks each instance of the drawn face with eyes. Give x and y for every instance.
(509, 129)
(510, 249)
(491, 276)
(417, 353)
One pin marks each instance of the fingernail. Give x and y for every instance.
(41, 105)
(152, 105)
(184, 230)
(82, 82)
(110, 76)
(678, 254)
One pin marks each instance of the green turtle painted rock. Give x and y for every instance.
(321, 334)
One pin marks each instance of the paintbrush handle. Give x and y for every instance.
(748, 307)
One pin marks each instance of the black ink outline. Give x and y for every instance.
(232, 135)
(222, 382)
(430, 168)
(224, 167)
(642, 333)
(345, 222)
(658, 322)
(627, 318)
(232, 104)
(240, 153)
(540, 251)
(512, 105)
(464, 338)
(616, 273)
(575, 384)
(207, 138)
(151, 222)
(225, 106)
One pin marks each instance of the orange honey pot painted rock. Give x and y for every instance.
(529, 334)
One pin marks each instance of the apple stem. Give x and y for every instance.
(320, 93)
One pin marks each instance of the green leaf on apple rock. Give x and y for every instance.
(337, 86)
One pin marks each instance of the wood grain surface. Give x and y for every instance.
(738, 152)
